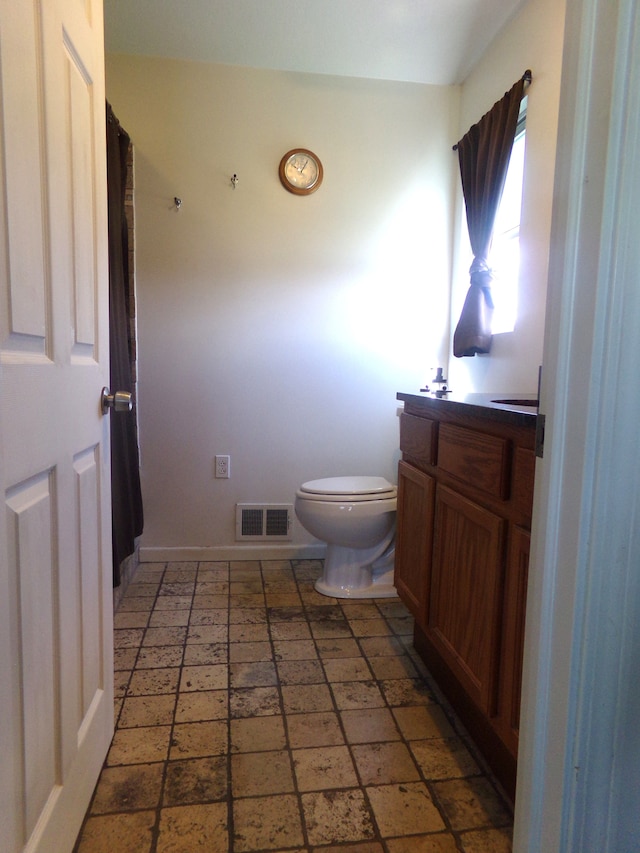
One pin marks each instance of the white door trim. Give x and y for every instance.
(578, 770)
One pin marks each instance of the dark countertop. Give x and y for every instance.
(514, 413)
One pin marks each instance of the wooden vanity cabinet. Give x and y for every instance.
(465, 491)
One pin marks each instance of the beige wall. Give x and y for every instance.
(274, 328)
(533, 39)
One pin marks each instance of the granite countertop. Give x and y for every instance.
(493, 406)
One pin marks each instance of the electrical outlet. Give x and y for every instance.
(223, 467)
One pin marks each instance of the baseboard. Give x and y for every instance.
(255, 551)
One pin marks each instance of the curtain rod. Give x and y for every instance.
(527, 77)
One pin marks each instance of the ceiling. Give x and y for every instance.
(418, 41)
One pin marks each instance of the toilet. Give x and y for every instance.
(356, 517)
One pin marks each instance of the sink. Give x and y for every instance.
(518, 402)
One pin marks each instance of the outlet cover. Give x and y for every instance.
(223, 467)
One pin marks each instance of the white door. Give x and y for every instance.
(56, 683)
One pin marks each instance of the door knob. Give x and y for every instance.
(120, 401)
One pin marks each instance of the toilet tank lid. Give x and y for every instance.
(348, 486)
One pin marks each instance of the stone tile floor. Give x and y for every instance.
(253, 714)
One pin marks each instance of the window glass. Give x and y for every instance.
(505, 247)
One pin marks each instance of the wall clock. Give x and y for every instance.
(300, 171)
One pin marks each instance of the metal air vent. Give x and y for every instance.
(263, 521)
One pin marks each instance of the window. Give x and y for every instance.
(505, 247)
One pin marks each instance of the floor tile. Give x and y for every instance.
(206, 653)
(266, 823)
(330, 630)
(392, 667)
(369, 627)
(140, 745)
(319, 729)
(195, 780)
(369, 725)
(471, 803)
(212, 587)
(294, 650)
(127, 638)
(202, 705)
(159, 657)
(406, 691)
(253, 674)
(261, 773)
(213, 616)
(255, 651)
(142, 603)
(124, 658)
(384, 763)
(364, 847)
(247, 616)
(178, 588)
(443, 758)
(337, 816)
(443, 842)
(147, 711)
(173, 602)
(300, 672)
(206, 633)
(302, 698)
(130, 619)
(126, 833)
(205, 677)
(404, 809)
(258, 734)
(240, 688)
(169, 618)
(338, 648)
(254, 702)
(487, 841)
(186, 829)
(249, 633)
(381, 646)
(290, 631)
(320, 768)
(347, 669)
(193, 740)
(357, 694)
(419, 722)
(128, 788)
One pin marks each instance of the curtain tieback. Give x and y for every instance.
(482, 276)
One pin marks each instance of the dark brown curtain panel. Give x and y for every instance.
(126, 496)
(483, 154)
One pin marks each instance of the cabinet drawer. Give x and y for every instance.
(482, 461)
(418, 437)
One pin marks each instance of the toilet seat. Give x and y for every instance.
(347, 489)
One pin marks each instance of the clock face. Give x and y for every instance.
(300, 171)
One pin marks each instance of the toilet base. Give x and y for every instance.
(353, 573)
(374, 590)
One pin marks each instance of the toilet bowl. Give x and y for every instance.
(355, 516)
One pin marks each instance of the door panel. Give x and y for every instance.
(56, 679)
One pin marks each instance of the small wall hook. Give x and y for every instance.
(234, 180)
(178, 202)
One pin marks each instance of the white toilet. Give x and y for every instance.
(356, 517)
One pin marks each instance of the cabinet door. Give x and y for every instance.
(515, 598)
(466, 593)
(414, 538)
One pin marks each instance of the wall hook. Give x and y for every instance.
(178, 202)
(234, 180)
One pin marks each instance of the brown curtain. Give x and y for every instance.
(126, 496)
(483, 154)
